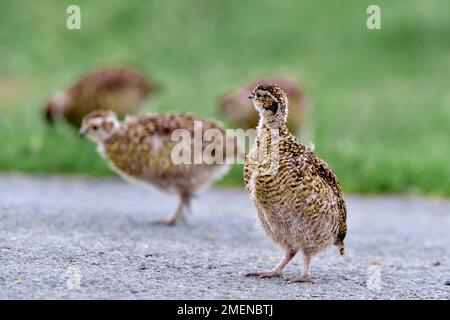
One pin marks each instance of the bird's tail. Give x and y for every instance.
(49, 117)
(341, 247)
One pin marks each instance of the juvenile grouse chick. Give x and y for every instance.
(297, 196)
(239, 109)
(121, 90)
(140, 150)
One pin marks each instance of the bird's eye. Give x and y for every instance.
(258, 95)
(95, 127)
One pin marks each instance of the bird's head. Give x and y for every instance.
(271, 103)
(99, 126)
(55, 107)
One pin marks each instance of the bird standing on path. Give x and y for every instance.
(297, 195)
(242, 114)
(140, 150)
(122, 90)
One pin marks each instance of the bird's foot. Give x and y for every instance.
(169, 223)
(264, 274)
(302, 278)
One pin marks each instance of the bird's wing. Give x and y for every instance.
(307, 158)
(163, 126)
(328, 175)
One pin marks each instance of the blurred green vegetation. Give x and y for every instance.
(381, 99)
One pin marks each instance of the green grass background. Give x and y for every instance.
(381, 99)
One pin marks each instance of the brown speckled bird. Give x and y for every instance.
(239, 109)
(298, 198)
(140, 150)
(122, 90)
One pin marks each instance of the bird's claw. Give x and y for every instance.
(302, 278)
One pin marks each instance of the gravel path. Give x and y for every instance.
(82, 238)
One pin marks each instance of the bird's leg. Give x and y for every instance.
(185, 200)
(276, 272)
(305, 277)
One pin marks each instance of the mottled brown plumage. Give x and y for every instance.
(298, 198)
(122, 90)
(140, 150)
(240, 110)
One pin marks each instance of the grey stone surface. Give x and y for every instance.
(79, 238)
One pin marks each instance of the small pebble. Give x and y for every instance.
(142, 266)
(447, 283)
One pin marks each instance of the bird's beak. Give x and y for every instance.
(82, 133)
(251, 96)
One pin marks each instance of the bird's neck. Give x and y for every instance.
(271, 125)
(117, 134)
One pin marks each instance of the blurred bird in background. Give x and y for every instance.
(122, 90)
(240, 110)
(140, 148)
